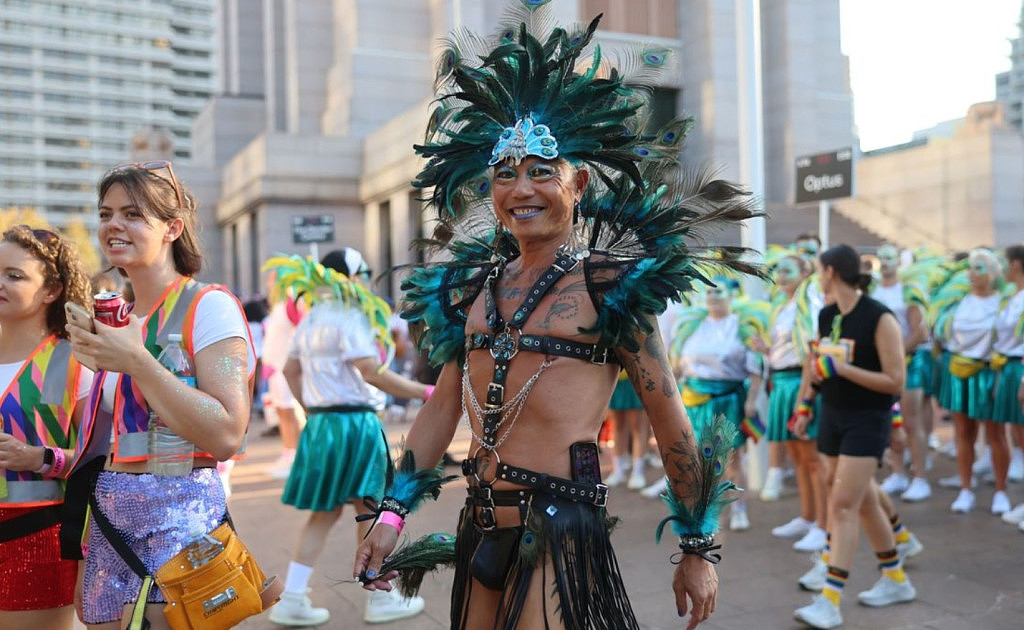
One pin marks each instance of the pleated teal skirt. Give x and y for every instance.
(781, 402)
(341, 457)
(1006, 406)
(624, 397)
(970, 396)
(727, 399)
(920, 371)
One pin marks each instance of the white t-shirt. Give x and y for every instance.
(10, 370)
(973, 322)
(278, 330)
(218, 317)
(1006, 325)
(715, 352)
(326, 343)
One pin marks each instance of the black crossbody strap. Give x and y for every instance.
(116, 540)
(30, 523)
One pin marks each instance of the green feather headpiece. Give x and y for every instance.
(527, 92)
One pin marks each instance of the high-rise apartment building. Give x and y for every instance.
(1010, 84)
(80, 78)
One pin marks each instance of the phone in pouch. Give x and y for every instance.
(585, 460)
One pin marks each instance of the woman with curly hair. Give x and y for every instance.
(43, 386)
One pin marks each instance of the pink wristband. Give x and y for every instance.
(392, 519)
(428, 393)
(59, 462)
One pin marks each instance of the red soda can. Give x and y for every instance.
(110, 308)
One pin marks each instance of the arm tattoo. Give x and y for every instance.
(682, 468)
(654, 347)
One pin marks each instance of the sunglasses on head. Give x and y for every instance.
(152, 168)
(45, 237)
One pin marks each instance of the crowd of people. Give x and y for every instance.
(567, 263)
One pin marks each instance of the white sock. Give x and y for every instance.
(638, 466)
(298, 578)
(622, 462)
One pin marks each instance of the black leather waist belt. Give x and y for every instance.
(342, 409)
(30, 523)
(592, 493)
(548, 345)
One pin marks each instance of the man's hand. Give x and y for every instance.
(370, 555)
(695, 578)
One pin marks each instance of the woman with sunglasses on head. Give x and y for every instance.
(793, 322)
(43, 391)
(147, 230)
(965, 328)
(858, 369)
(721, 374)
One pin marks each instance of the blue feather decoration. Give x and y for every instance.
(411, 487)
(711, 492)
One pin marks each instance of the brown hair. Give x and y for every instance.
(61, 267)
(154, 194)
(1015, 252)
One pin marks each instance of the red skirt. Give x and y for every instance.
(32, 574)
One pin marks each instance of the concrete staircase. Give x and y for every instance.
(889, 225)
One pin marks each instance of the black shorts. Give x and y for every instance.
(854, 432)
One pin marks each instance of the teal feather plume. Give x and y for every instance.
(410, 486)
(711, 492)
(413, 560)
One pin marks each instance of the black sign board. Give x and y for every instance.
(315, 229)
(824, 176)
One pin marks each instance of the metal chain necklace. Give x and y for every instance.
(509, 410)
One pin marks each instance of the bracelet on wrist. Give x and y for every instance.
(428, 393)
(392, 519)
(698, 545)
(48, 460)
(391, 504)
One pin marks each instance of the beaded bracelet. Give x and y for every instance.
(897, 416)
(391, 504)
(695, 545)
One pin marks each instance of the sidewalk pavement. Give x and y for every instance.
(969, 576)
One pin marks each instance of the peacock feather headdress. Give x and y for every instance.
(308, 280)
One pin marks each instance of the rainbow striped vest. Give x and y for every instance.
(37, 408)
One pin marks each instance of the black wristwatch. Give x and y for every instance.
(47, 462)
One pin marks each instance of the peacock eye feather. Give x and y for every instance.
(669, 137)
(534, 4)
(655, 57)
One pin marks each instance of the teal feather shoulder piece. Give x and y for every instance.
(712, 491)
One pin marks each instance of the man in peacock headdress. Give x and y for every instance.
(564, 228)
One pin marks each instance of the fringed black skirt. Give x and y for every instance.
(569, 542)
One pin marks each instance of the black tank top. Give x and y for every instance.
(859, 325)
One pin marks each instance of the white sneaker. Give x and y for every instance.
(948, 449)
(983, 464)
(1016, 470)
(814, 579)
(654, 490)
(934, 442)
(1014, 516)
(616, 478)
(738, 519)
(953, 481)
(910, 548)
(794, 528)
(772, 485)
(964, 502)
(1000, 503)
(820, 613)
(637, 481)
(385, 606)
(886, 592)
(296, 609)
(654, 461)
(282, 466)
(895, 483)
(814, 540)
(918, 490)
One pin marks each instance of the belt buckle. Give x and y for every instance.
(498, 392)
(594, 357)
(601, 500)
(488, 521)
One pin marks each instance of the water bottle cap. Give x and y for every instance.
(174, 337)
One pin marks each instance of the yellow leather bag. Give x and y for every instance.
(214, 583)
(963, 367)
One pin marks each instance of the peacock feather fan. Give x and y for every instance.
(697, 514)
(307, 279)
(413, 560)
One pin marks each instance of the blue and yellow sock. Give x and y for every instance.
(891, 565)
(899, 530)
(827, 549)
(834, 584)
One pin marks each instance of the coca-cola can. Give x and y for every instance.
(110, 308)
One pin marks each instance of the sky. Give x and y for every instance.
(915, 63)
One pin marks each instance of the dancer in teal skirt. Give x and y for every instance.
(337, 370)
(1007, 354)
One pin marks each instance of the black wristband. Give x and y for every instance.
(698, 546)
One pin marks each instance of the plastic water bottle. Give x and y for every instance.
(169, 454)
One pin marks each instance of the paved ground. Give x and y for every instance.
(968, 577)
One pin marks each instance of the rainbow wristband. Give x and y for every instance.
(392, 519)
(897, 416)
(805, 407)
(826, 367)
